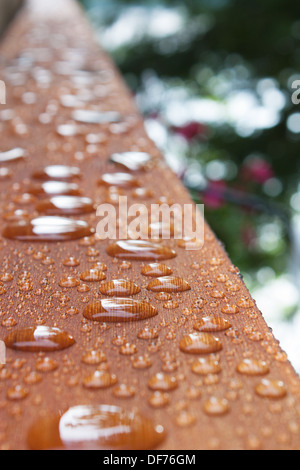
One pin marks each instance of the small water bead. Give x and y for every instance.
(141, 362)
(69, 281)
(128, 349)
(230, 309)
(156, 270)
(57, 172)
(211, 324)
(12, 155)
(171, 304)
(124, 391)
(32, 378)
(65, 205)
(200, 343)
(18, 392)
(121, 180)
(40, 338)
(245, 302)
(168, 284)
(119, 288)
(140, 250)
(90, 116)
(71, 261)
(252, 367)
(162, 382)
(216, 406)
(273, 389)
(142, 193)
(92, 275)
(54, 188)
(206, 366)
(148, 333)
(185, 419)
(47, 229)
(163, 296)
(100, 266)
(93, 357)
(119, 310)
(46, 364)
(99, 379)
(95, 427)
(132, 161)
(159, 399)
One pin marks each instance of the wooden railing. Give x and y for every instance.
(183, 363)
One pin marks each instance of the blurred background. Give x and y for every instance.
(214, 80)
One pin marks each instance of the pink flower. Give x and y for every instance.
(257, 170)
(191, 130)
(213, 195)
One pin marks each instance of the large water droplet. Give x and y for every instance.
(156, 270)
(95, 427)
(12, 155)
(40, 338)
(210, 324)
(65, 205)
(253, 367)
(200, 343)
(122, 180)
(89, 116)
(57, 172)
(119, 288)
(274, 389)
(133, 161)
(49, 228)
(54, 188)
(140, 250)
(119, 310)
(168, 284)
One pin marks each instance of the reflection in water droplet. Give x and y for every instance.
(132, 161)
(162, 382)
(216, 406)
(99, 379)
(200, 343)
(274, 389)
(11, 155)
(57, 172)
(122, 180)
(119, 288)
(156, 270)
(210, 324)
(253, 367)
(140, 250)
(95, 427)
(119, 310)
(90, 116)
(40, 338)
(68, 205)
(168, 284)
(54, 188)
(47, 229)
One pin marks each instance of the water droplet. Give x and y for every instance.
(47, 229)
(140, 250)
(159, 399)
(12, 155)
(230, 309)
(253, 367)
(132, 161)
(121, 180)
(162, 382)
(100, 379)
(274, 389)
(211, 324)
(68, 205)
(168, 284)
(200, 343)
(216, 406)
(156, 270)
(95, 427)
(119, 288)
(18, 392)
(69, 281)
(148, 333)
(119, 310)
(206, 366)
(185, 419)
(40, 338)
(92, 275)
(46, 364)
(93, 357)
(57, 172)
(124, 391)
(90, 116)
(54, 188)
